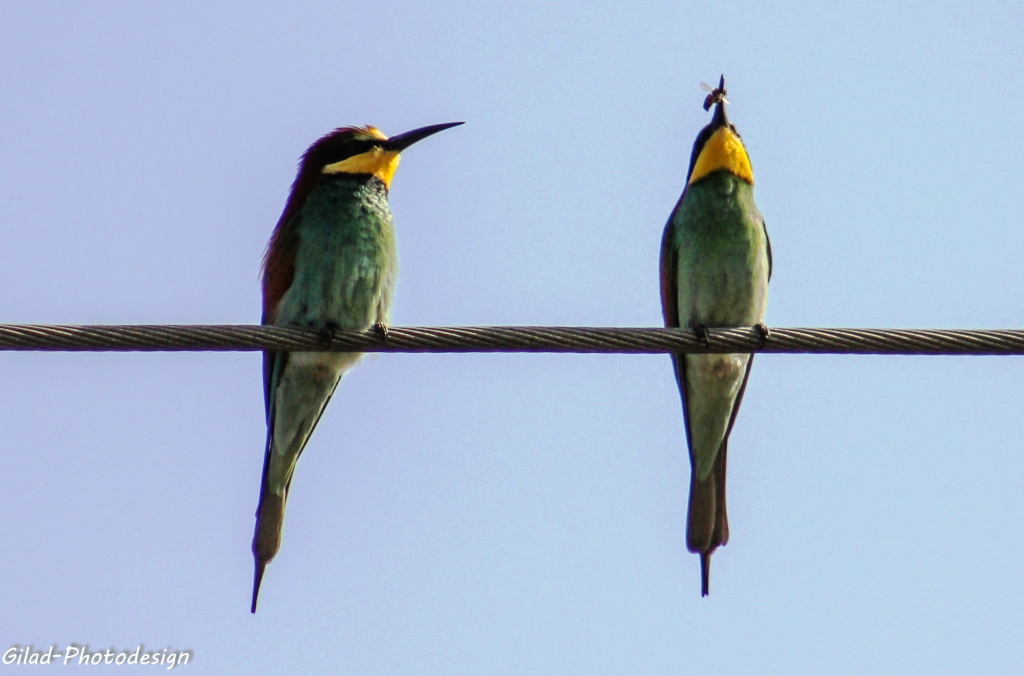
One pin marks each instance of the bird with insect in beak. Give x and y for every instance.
(715, 265)
(330, 264)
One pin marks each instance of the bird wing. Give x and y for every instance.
(670, 311)
(279, 258)
(736, 402)
(278, 269)
(669, 266)
(274, 364)
(273, 367)
(269, 513)
(278, 274)
(768, 246)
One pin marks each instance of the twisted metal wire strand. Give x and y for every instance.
(225, 338)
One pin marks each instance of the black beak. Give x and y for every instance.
(719, 119)
(403, 141)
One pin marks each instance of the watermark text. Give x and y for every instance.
(79, 654)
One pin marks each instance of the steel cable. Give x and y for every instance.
(225, 338)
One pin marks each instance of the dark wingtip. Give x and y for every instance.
(705, 572)
(260, 567)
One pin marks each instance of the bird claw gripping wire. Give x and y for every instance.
(381, 329)
(327, 333)
(701, 332)
(765, 334)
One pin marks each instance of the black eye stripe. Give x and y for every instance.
(345, 149)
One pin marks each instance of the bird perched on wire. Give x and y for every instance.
(330, 264)
(715, 265)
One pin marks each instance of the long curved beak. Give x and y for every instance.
(403, 141)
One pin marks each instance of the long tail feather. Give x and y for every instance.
(258, 578)
(707, 526)
(267, 539)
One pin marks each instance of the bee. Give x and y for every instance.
(716, 93)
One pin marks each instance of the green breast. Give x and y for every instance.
(722, 253)
(346, 262)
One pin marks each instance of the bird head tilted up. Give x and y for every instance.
(718, 146)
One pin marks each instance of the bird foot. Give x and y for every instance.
(327, 333)
(381, 330)
(701, 332)
(762, 329)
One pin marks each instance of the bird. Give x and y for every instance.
(716, 261)
(330, 265)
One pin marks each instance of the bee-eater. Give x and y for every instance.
(715, 265)
(330, 264)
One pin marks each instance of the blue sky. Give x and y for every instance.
(465, 514)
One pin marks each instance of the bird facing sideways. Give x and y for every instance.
(715, 265)
(330, 264)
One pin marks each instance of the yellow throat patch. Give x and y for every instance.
(377, 161)
(724, 150)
